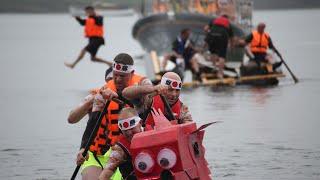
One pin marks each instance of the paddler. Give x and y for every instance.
(108, 132)
(120, 157)
(257, 44)
(145, 99)
(166, 152)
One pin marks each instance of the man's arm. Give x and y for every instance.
(138, 91)
(175, 49)
(97, 107)
(271, 46)
(117, 157)
(249, 39)
(81, 21)
(185, 115)
(80, 111)
(247, 47)
(98, 20)
(142, 95)
(231, 37)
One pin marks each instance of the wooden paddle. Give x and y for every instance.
(168, 108)
(93, 134)
(285, 64)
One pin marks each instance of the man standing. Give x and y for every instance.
(93, 30)
(219, 33)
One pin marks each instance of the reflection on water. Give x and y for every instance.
(261, 95)
(266, 133)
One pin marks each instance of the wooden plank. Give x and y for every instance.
(231, 81)
(156, 62)
(261, 77)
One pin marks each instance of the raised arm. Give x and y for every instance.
(81, 21)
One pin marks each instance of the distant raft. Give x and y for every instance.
(246, 75)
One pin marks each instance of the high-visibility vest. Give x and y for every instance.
(108, 132)
(259, 43)
(91, 29)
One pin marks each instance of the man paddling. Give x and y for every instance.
(108, 132)
(258, 42)
(169, 88)
(93, 29)
(129, 123)
(75, 116)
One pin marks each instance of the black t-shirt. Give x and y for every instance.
(214, 28)
(186, 52)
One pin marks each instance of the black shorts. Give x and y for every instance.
(260, 57)
(217, 41)
(93, 45)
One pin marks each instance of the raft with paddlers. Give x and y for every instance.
(245, 74)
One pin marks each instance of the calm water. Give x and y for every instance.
(267, 133)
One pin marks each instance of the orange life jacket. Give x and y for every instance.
(259, 43)
(158, 104)
(91, 29)
(108, 132)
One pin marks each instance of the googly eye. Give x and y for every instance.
(167, 158)
(144, 162)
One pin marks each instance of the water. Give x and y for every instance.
(266, 133)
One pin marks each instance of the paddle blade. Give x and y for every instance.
(204, 126)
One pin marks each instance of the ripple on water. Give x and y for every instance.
(275, 168)
(10, 150)
(255, 144)
(14, 154)
(316, 174)
(45, 169)
(283, 148)
(229, 175)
